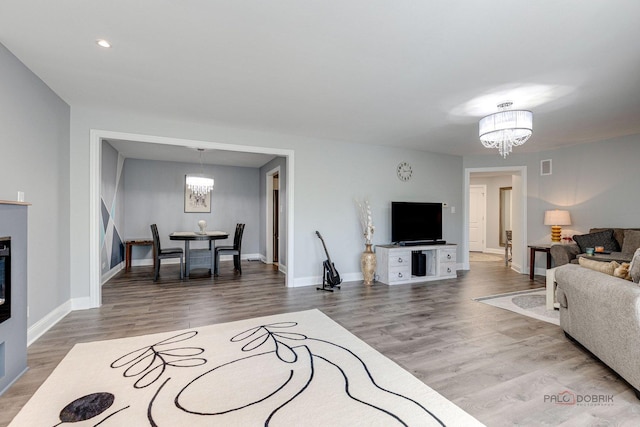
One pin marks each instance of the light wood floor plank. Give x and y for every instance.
(495, 364)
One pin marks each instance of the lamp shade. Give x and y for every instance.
(557, 217)
(517, 124)
(506, 129)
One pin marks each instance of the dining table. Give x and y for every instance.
(193, 258)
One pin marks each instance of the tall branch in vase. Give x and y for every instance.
(364, 213)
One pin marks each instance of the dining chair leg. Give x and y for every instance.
(181, 269)
(236, 263)
(156, 270)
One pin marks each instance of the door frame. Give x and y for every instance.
(520, 263)
(96, 137)
(269, 206)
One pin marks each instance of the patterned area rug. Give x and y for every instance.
(529, 303)
(285, 370)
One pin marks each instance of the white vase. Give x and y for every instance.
(203, 226)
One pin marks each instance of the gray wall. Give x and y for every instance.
(328, 176)
(596, 182)
(34, 142)
(154, 193)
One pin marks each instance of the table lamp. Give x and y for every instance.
(555, 218)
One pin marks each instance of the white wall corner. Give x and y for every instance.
(83, 303)
(111, 273)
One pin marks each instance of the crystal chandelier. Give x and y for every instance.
(506, 128)
(199, 184)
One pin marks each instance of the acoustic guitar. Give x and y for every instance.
(331, 274)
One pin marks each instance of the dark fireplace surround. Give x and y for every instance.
(5, 278)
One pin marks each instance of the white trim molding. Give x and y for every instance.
(95, 153)
(47, 322)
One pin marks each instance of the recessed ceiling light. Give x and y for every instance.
(103, 43)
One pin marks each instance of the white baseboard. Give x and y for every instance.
(48, 321)
(109, 274)
(518, 268)
(317, 280)
(494, 251)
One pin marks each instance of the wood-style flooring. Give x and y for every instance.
(499, 366)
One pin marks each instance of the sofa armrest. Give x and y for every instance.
(602, 313)
(563, 254)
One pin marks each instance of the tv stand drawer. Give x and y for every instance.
(448, 255)
(400, 258)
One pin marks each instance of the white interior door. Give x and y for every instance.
(477, 213)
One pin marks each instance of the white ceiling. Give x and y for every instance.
(411, 73)
(174, 153)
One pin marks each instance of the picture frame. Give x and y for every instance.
(194, 203)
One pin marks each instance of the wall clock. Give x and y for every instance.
(404, 171)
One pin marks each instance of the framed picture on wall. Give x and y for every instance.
(194, 202)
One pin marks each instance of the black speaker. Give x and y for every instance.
(418, 264)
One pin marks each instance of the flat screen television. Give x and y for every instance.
(416, 222)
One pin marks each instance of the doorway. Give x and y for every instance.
(276, 218)
(273, 215)
(95, 153)
(495, 178)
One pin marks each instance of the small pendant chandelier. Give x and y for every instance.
(199, 184)
(505, 129)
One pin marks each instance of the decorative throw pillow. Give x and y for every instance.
(634, 268)
(601, 238)
(631, 242)
(602, 267)
(623, 271)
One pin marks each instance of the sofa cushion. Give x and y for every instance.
(602, 267)
(634, 268)
(618, 233)
(631, 242)
(601, 238)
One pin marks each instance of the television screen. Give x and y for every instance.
(411, 221)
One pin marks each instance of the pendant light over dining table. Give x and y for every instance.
(506, 129)
(199, 184)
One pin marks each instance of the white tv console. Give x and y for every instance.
(394, 263)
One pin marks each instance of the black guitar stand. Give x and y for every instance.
(325, 283)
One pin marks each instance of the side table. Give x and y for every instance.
(532, 258)
(129, 243)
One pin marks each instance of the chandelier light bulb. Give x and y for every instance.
(199, 184)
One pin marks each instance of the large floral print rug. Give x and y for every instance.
(294, 369)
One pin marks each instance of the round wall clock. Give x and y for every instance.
(404, 171)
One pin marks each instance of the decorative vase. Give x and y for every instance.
(203, 226)
(368, 264)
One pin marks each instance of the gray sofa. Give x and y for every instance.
(602, 313)
(569, 253)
